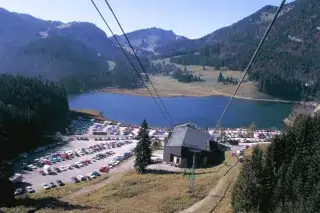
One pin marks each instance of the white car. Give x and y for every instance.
(79, 164)
(32, 166)
(30, 189)
(90, 176)
(81, 177)
(45, 186)
(63, 168)
(68, 167)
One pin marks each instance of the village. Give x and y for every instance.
(93, 148)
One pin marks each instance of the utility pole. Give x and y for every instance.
(192, 175)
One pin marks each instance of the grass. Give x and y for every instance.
(169, 87)
(153, 192)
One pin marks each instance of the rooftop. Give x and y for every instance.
(188, 135)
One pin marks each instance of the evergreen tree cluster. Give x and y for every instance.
(143, 149)
(185, 76)
(227, 80)
(285, 177)
(29, 109)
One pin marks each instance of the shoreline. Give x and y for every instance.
(138, 92)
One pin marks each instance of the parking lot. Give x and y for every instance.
(35, 179)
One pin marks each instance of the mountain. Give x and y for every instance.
(90, 35)
(19, 29)
(74, 54)
(148, 41)
(288, 65)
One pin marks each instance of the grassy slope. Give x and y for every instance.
(136, 193)
(169, 87)
(210, 77)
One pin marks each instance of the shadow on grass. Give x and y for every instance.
(47, 202)
(162, 172)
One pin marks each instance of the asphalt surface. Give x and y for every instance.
(34, 179)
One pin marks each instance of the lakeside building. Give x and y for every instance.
(185, 140)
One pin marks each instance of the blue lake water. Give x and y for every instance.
(204, 111)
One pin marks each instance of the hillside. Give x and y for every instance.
(75, 54)
(73, 64)
(288, 64)
(90, 35)
(20, 29)
(150, 41)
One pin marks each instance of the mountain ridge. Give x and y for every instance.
(148, 40)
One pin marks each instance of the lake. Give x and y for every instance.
(203, 111)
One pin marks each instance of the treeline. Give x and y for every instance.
(289, 88)
(29, 109)
(285, 177)
(226, 80)
(185, 76)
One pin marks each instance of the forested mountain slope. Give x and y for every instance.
(288, 65)
(90, 35)
(73, 54)
(20, 29)
(67, 61)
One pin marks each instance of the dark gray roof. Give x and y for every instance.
(188, 135)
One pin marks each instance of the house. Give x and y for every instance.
(185, 140)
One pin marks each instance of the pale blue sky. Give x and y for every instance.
(191, 18)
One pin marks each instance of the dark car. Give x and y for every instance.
(52, 184)
(75, 180)
(60, 183)
(57, 169)
(96, 173)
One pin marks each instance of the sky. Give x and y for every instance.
(190, 18)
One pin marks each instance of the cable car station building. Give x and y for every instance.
(184, 141)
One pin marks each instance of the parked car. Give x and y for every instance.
(81, 177)
(90, 176)
(75, 180)
(45, 186)
(57, 169)
(96, 173)
(52, 184)
(104, 169)
(79, 164)
(18, 192)
(30, 189)
(41, 172)
(60, 183)
(63, 168)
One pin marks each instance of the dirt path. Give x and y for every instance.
(214, 197)
(115, 175)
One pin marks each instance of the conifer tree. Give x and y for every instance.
(143, 149)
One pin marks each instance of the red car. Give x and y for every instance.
(42, 172)
(104, 169)
(86, 162)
